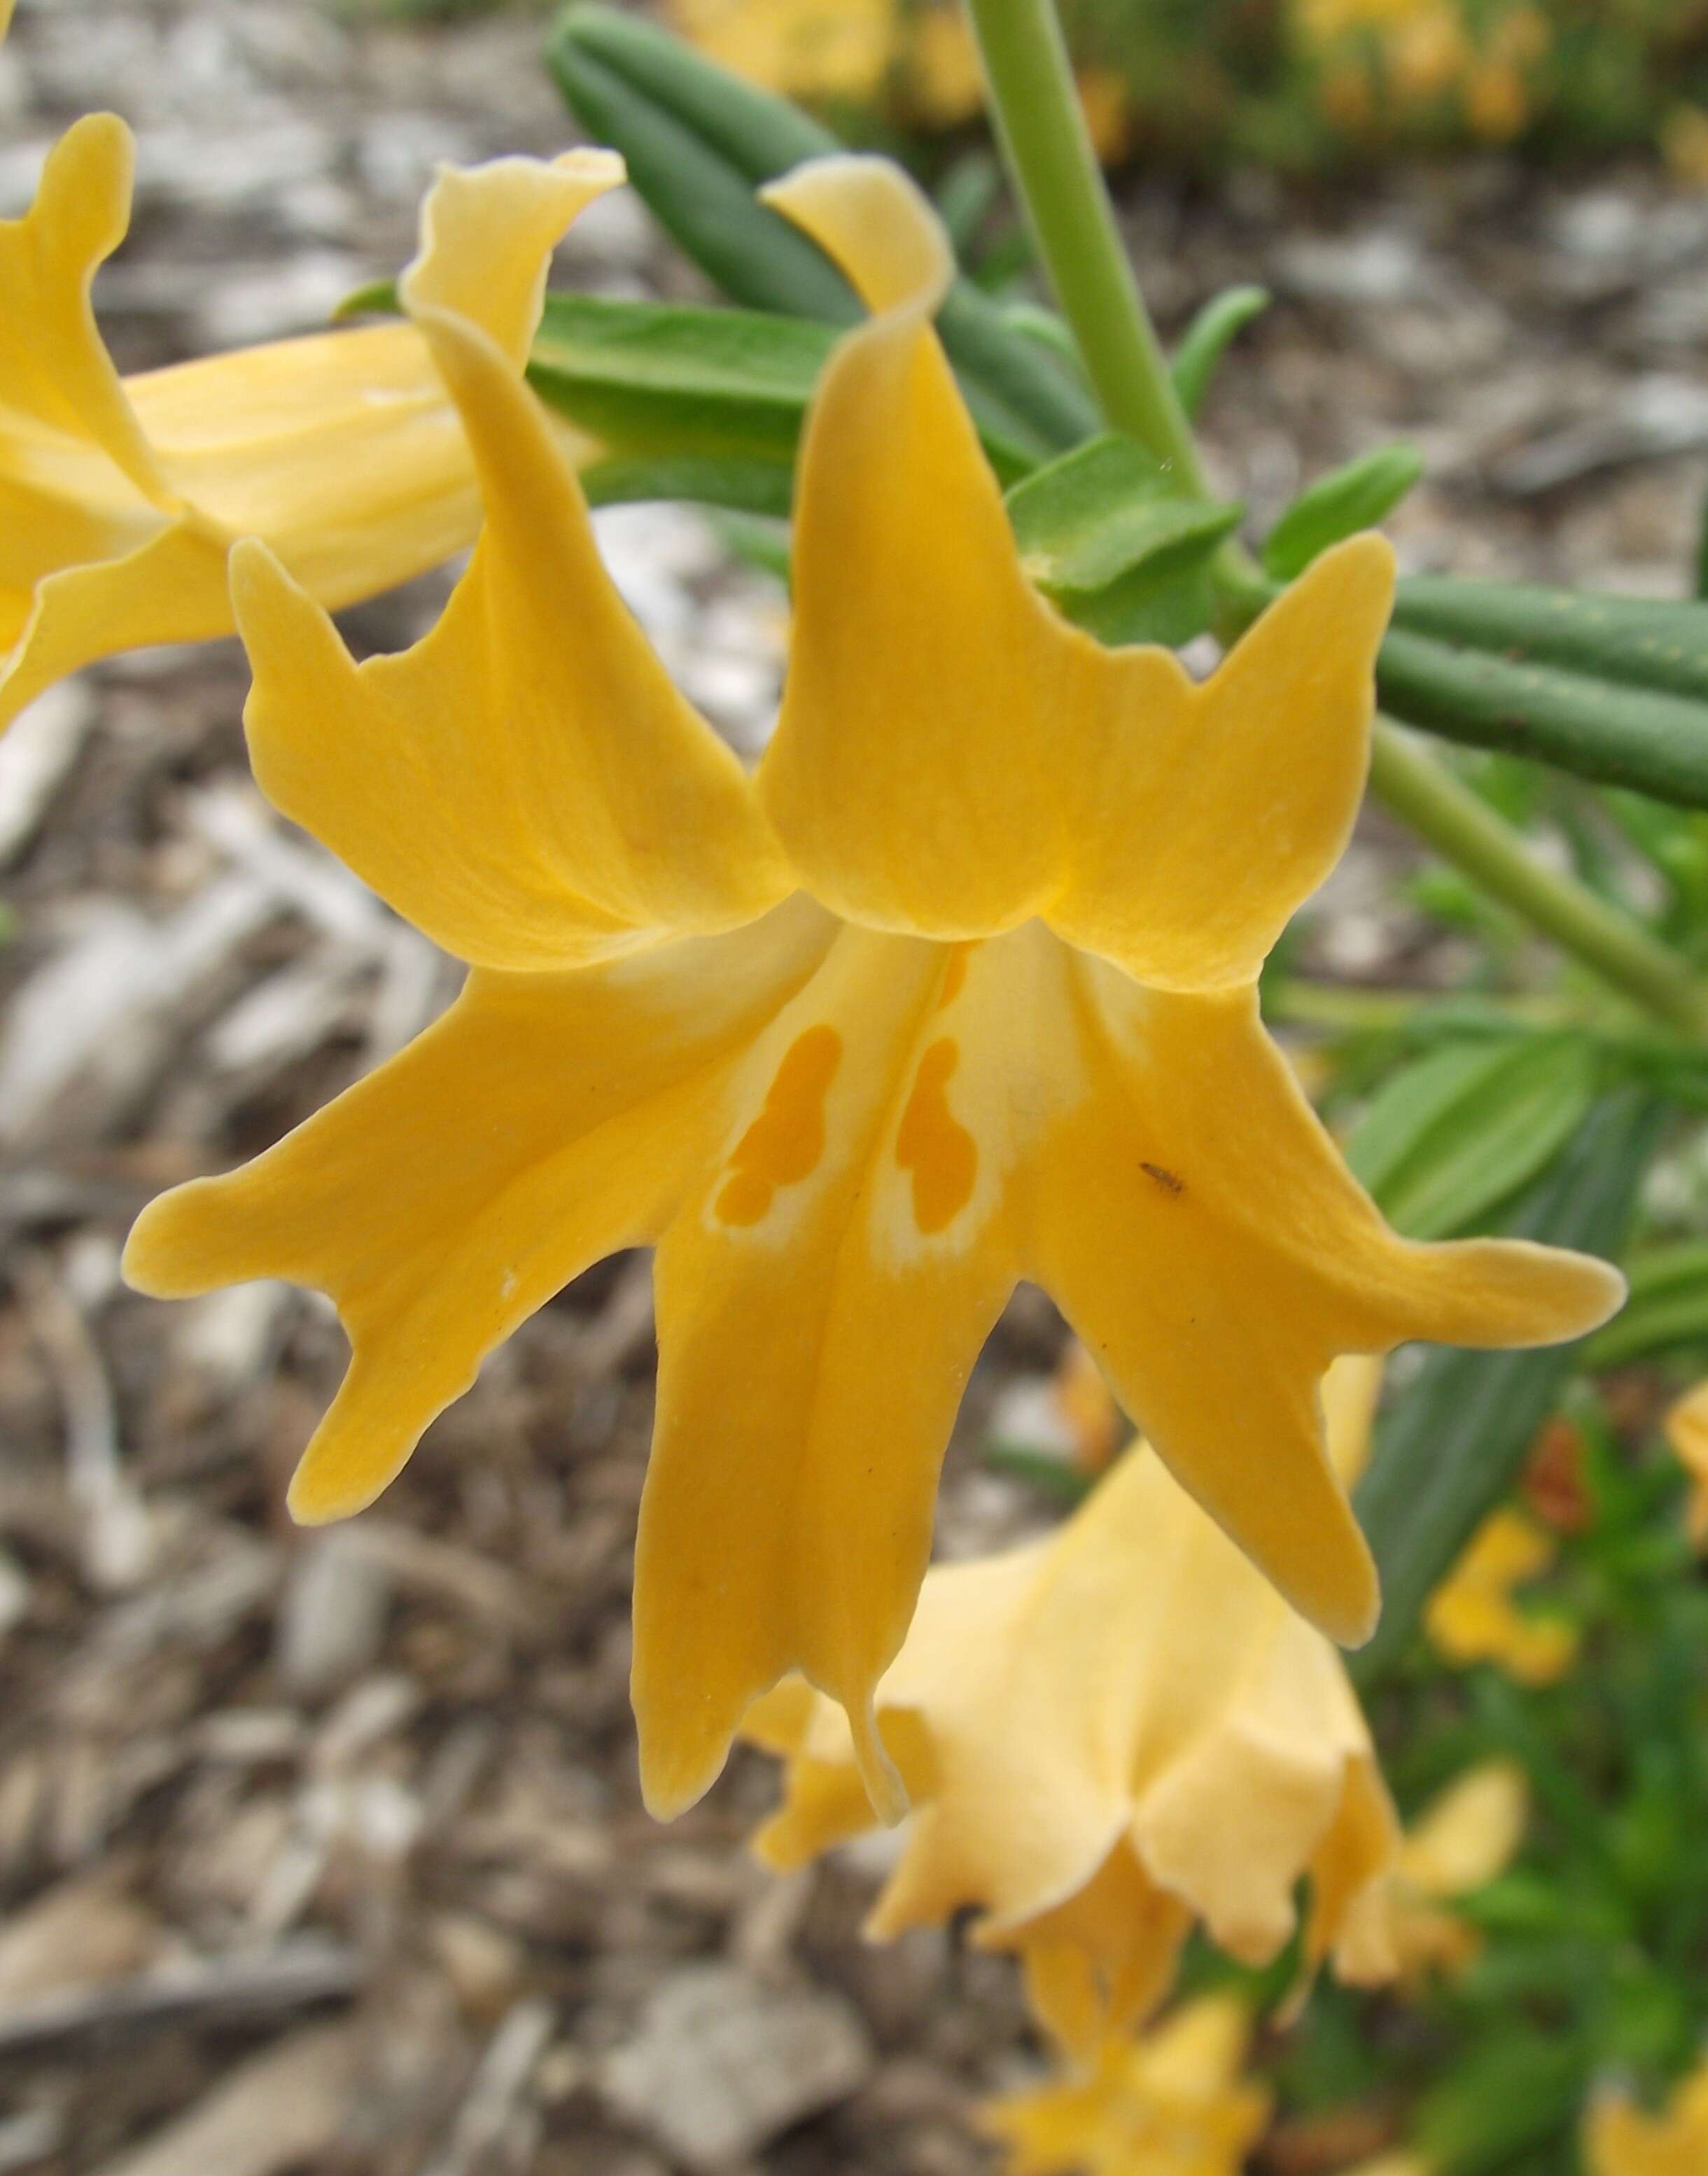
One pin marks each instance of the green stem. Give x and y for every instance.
(1048, 153)
(1465, 831)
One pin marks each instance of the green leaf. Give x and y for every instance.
(1613, 690)
(745, 486)
(1207, 338)
(1347, 499)
(1451, 1136)
(664, 377)
(1669, 1306)
(1105, 537)
(699, 141)
(1448, 1449)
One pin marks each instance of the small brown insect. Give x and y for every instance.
(1165, 1179)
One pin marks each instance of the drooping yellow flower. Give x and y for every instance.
(1105, 1735)
(1461, 1840)
(1172, 2104)
(1619, 2139)
(1006, 1025)
(1687, 1431)
(120, 499)
(1472, 1617)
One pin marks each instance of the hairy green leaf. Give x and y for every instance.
(1614, 689)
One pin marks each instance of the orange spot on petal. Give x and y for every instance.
(953, 974)
(932, 1144)
(784, 1143)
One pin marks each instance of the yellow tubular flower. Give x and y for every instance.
(1108, 1734)
(1472, 1617)
(849, 1119)
(1687, 1431)
(1461, 1840)
(120, 499)
(1170, 2104)
(1620, 2140)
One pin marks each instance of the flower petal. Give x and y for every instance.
(858, 1222)
(1197, 1228)
(544, 1122)
(487, 236)
(342, 450)
(952, 757)
(525, 784)
(171, 588)
(55, 370)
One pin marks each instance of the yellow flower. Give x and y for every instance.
(1105, 101)
(1496, 104)
(1461, 1840)
(1426, 53)
(1472, 1615)
(1170, 2104)
(813, 49)
(1006, 1025)
(1106, 1734)
(120, 499)
(1684, 145)
(1687, 1431)
(942, 77)
(1620, 2140)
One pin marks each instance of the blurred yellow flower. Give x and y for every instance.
(1472, 1615)
(1172, 2104)
(1497, 102)
(1398, 2163)
(942, 79)
(119, 499)
(858, 1044)
(1108, 110)
(1684, 145)
(1687, 1431)
(1322, 22)
(811, 49)
(1620, 2140)
(1463, 1838)
(1426, 53)
(1106, 1734)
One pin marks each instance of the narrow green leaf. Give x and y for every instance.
(965, 196)
(1614, 689)
(1459, 1131)
(1347, 499)
(699, 141)
(378, 298)
(1597, 729)
(1449, 1449)
(1207, 338)
(1669, 1306)
(1629, 642)
(1105, 536)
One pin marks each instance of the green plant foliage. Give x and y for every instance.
(1451, 1136)
(1446, 1452)
(699, 141)
(1355, 497)
(1614, 689)
(1106, 537)
(1207, 338)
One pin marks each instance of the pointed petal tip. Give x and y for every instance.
(319, 1496)
(876, 223)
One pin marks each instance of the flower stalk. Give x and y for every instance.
(1047, 149)
(1035, 111)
